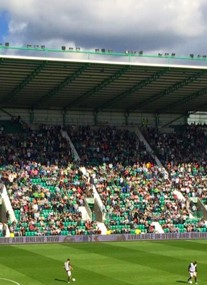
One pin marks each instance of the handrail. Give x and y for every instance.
(130, 54)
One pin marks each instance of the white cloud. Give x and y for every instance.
(15, 27)
(149, 25)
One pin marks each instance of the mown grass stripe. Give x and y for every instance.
(127, 263)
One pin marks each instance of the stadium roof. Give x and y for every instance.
(68, 84)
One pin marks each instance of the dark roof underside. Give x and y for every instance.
(101, 86)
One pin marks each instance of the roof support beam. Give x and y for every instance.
(138, 86)
(184, 100)
(98, 87)
(169, 90)
(174, 120)
(61, 85)
(198, 106)
(6, 112)
(24, 83)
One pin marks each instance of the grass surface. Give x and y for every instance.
(117, 263)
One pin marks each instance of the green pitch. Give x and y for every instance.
(117, 263)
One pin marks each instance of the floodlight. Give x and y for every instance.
(63, 47)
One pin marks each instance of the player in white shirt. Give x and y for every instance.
(192, 269)
(68, 268)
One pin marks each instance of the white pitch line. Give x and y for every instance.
(10, 280)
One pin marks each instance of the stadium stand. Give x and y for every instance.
(134, 194)
(102, 178)
(46, 186)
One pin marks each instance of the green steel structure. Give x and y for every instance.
(104, 81)
(130, 54)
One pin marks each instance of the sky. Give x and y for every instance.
(152, 26)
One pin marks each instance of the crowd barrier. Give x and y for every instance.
(101, 238)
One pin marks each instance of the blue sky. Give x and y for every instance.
(4, 21)
(153, 26)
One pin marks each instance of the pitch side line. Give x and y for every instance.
(10, 280)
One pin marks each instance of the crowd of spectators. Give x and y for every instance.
(46, 186)
(135, 187)
(183, 153)
(135, 191)
(99, 145)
